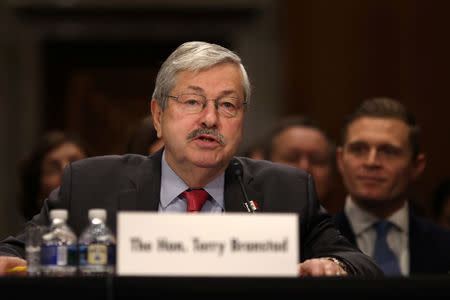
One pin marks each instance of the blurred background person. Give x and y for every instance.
(441, 203)
(40, 171)
(144, 139)
(255, 150)
(380, 160)
(301, 142)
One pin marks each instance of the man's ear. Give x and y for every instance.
(418, 166)
(339, 159)
(157, 115)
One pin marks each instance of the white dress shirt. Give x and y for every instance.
(361, 222)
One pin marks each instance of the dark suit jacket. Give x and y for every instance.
(429, 244)
(132, 182)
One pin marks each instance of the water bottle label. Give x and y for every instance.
(59, 255)
(97, 254)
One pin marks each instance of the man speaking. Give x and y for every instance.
(198, 106)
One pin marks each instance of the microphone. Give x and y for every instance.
(237, 170)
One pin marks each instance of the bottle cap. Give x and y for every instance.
(58, 213)
(99, 213)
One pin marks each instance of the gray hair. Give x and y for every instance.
(195, 56)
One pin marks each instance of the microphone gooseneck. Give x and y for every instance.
(238, 171)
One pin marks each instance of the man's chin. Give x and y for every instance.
(207, 161)
(372, 199)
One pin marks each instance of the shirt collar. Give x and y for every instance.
(361, 220)
(172, 185)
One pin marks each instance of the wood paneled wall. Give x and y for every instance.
(338, 53)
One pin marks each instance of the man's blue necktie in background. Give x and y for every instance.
(383, 255)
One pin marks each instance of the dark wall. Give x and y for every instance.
(89, 68)
(317, 57)
(338, 53)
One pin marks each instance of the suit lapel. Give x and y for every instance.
(418, 248)
(233, 195)
(147, 187)
(147, 182)
(344, 227)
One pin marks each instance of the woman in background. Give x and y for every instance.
(41, 170)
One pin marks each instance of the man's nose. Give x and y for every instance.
(210, 114)
(64, 164)
(304, 164)
(372, 157)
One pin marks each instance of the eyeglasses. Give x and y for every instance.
(226, 106)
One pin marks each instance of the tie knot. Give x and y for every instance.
(195, 199)
(382, 227)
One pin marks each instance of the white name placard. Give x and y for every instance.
(202, 244)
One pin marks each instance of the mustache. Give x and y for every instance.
(208, 131)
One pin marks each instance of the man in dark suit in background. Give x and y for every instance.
(379, 160)
(198, 108)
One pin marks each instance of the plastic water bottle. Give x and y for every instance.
(97, 246)
(33, 242)
(59, 247)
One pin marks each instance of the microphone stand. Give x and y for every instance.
(238, 172)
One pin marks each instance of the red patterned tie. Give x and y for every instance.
(195, 199)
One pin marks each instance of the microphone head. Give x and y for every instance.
(236, 167)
